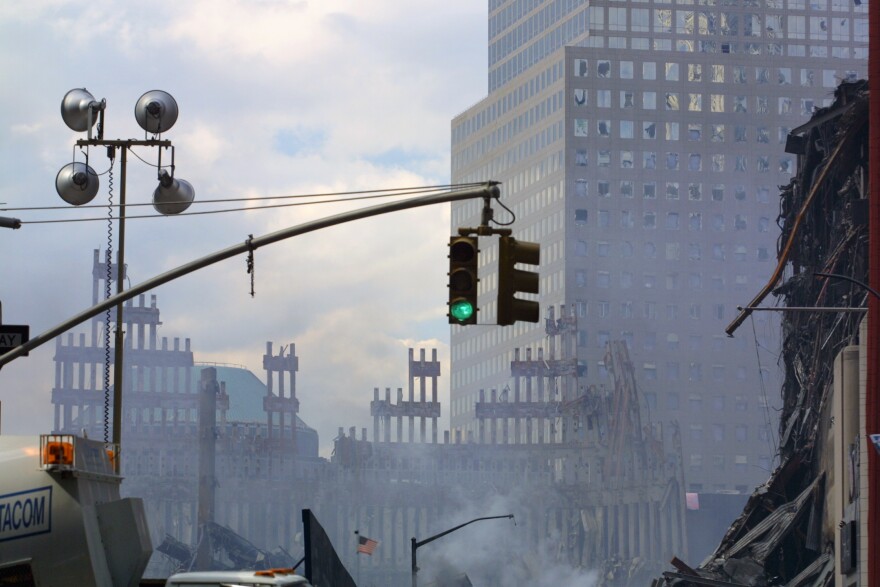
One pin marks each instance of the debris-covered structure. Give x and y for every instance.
(225, 465)
(807, 525)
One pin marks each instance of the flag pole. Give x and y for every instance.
(357, 555)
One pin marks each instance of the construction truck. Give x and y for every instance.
(62, 521)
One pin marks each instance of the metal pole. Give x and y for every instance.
(119, 350)
(415, 567)
(490, 188)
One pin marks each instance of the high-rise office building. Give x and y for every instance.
(642, 143)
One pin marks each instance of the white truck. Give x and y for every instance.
(62, 521)
(275, 577)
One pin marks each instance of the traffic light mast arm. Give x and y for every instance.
(486, 191)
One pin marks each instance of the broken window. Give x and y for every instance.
(762, 105)
(785, 105)
(662, 21)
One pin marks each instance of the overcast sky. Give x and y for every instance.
(276, 97)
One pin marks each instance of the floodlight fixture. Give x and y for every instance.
(156, 111)
(173, 195)
(79, 108)
(77, 183)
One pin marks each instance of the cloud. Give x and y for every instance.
(276, 98)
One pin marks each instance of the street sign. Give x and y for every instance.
(13, 335)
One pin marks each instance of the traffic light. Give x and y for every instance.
(512, 280)
(463, 280)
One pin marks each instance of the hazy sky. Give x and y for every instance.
(276, 97)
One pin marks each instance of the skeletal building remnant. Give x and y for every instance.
(281, 409)
(384, 410)
(593, 484)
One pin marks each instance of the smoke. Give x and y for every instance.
(500, 551)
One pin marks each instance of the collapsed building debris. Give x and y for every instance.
(799, 529)
(228, 551)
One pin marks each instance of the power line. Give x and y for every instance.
(389, 192)
(244, 209)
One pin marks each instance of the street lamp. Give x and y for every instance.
(77, 184)
(416, 544)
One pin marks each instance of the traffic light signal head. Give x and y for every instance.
(463, 280)
(512, 280)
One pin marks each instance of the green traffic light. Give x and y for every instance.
(461, 310)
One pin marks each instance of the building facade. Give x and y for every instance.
(642, 144)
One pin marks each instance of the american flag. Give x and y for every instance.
(366, 545)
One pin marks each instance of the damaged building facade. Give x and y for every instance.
(225, 464)
(807, 525)
(641, 144)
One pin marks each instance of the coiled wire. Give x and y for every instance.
(107, 293)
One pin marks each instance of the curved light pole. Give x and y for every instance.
(416, 544)
(77, 183)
